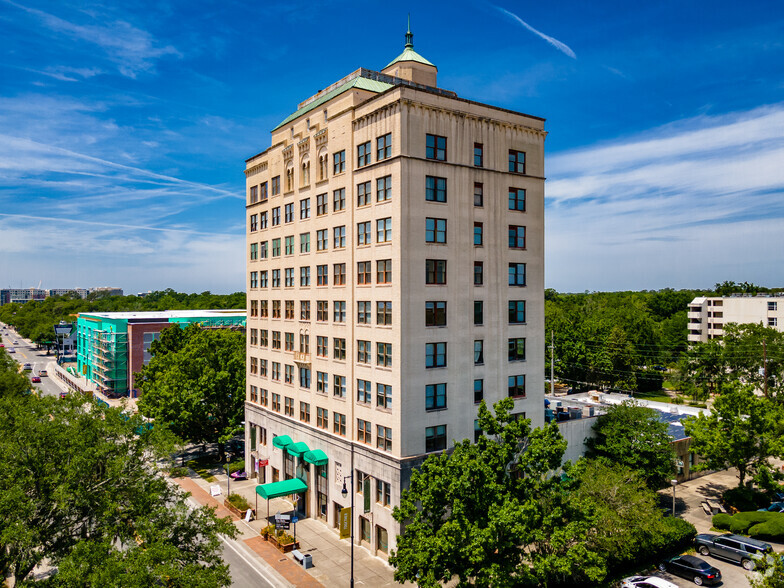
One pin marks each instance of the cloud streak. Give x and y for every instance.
(562, 47)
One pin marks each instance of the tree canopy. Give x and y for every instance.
(632, 435)
(195, 383)
(81, 490)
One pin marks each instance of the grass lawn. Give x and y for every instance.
(654, 396)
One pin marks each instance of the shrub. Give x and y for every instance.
(743, 520)
(236, 466)
(178, 472)
(267, 531)
(773, 528)
(284, 538)
(239, 501)
(745, 499)
(722, 520)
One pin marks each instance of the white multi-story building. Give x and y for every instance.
(395, 253)
(708, 315)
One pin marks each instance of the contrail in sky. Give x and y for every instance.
(562, 47)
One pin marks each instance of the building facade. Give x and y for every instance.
(395, 251)
(708, 315)
(112, 347)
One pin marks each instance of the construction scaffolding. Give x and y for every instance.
(110, 362)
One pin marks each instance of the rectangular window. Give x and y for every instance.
(478, 273)
(275, 185)
(479, 155)
(304, 242)
(289, 309)
(275, 397)
(516, 237)
(322, 240)
(339, 424)
(304, 412)
(263, 279)
(322, 275)
(384, 354)
(254, 308)
(383, 396)
(363, 154)
(478, 235)
(254, 223)
(263, 219)
(479, 391)
(276, 278)
(517, 274)
(254, 279)
(254, 365)
(383, 491)
(516, 312)
(364, 390)
(479, 194)
(517, 199)
(322, 382)
(364, 272)
(435, 271)
(435, 438)
(254, 251)
(288, 213)
(363, 312)
(321, 346)
(383, 313)
(479, 352)
(339, 307)
(516, 387)
(276, 247)
(339, 237)
(263, 195)
(363, 194)
(383, 230)
(517, 349)
(339, 162)
(304, 377)
(384, 146)
(516, 161)
(322, 418)
(478, 312)
(364, 431)
(339, 200)
(772, 306)
(322, 310)
(289, 378)
(435, 314)
(304, 208)
(339, 274)
(363, 233)
(304, 310)
(363, 351)
(435, 230)
(276, 367)
(288, 247)
(289, 277)
(264, 337)
(384, 438)
(435, 396)
(340, 387)
(773, 321)
(435, 147)
(289, 341)
(435, 189)
(322, 204)
(435, 355)
(339, 348)
(276, 308)
(384, 271)
(384, 189)
(263, 251)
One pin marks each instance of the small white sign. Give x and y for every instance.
(248, 516)
(215, 490)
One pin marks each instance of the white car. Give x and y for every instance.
(646, 582)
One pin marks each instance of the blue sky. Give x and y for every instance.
(124, 129)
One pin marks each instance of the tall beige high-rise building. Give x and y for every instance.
(395, 279)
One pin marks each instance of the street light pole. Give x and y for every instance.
(343, 492)
(228, 475)
(674, 483)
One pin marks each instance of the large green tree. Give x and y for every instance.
(493, 513)
(632, 435)
(195, 383)
(742, 430)
(81, 490)
(754, 354)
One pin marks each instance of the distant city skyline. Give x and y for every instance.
(123, 130)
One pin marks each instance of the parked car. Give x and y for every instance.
(731, 547)
(35, 380)
(42, 373)
(775, 507)
(646, 582)
(692, 568)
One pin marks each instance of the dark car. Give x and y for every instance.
(692, 568)
(735, 548)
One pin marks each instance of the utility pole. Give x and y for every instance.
(765, 366)
(552, 362)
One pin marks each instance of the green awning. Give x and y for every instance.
(281, 441)
(297, 449)
(316, 457)
(283, 488)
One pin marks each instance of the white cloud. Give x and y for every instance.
(686, 205)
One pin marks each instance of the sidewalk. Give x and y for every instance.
(331, 556)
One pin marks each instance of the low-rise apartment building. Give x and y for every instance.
(708, 315)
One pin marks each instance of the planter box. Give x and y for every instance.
(286, 547)
(234, 510)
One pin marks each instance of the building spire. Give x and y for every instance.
(409, 35)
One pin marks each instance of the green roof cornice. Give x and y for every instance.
(408, 53)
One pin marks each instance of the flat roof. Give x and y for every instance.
(168, 314)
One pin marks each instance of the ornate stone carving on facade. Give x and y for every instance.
(288, 153)
(256, 169)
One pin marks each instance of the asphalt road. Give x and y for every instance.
(733, 576)
(245, 572)
(25, 352)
